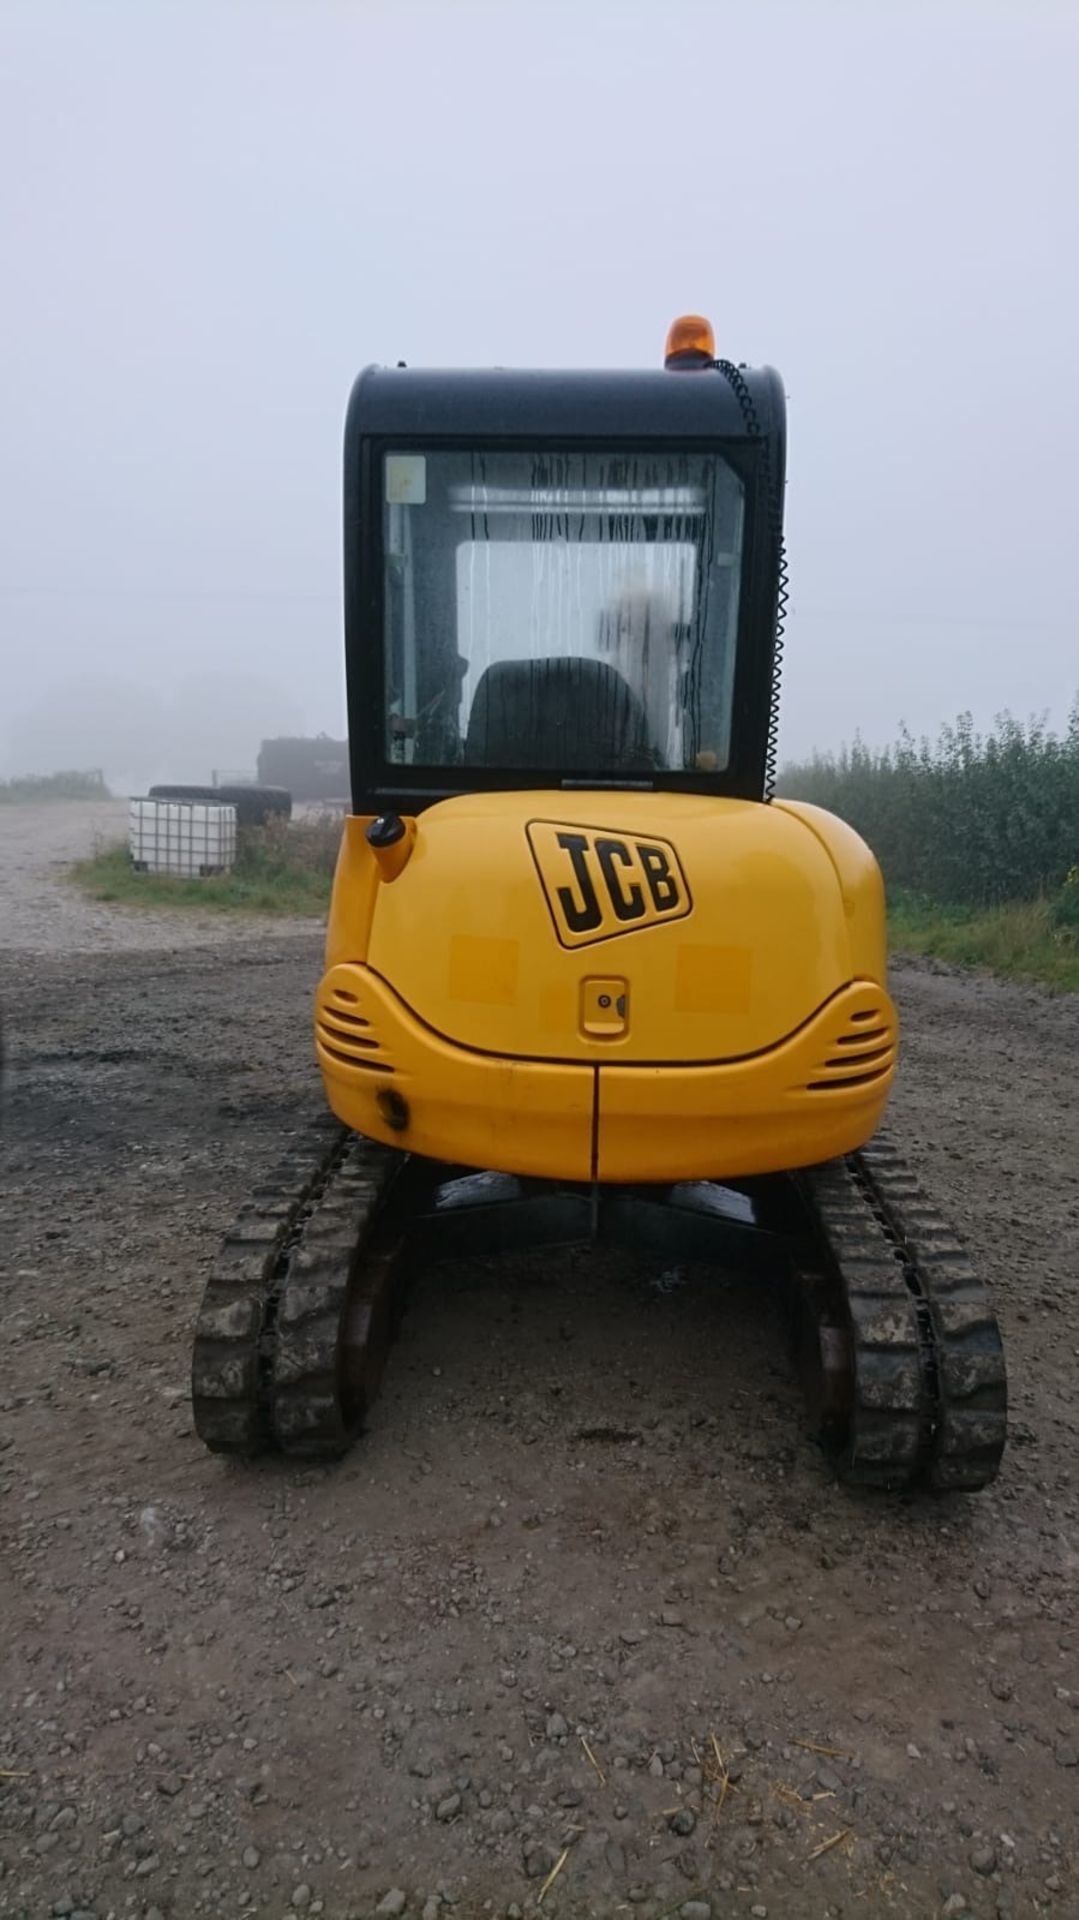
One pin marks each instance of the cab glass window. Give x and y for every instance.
(560, 611)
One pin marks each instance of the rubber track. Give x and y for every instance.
(233, 1371)
(929, 1386)
(314, 1415)
(890, 1417)
(970, 1379)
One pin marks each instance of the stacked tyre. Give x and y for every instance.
(254, 805)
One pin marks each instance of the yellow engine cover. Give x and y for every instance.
(628, 986)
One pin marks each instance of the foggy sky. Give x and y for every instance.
(213, 214)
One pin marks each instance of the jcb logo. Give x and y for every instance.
(600, 883)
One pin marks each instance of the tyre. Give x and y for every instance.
(254, 805)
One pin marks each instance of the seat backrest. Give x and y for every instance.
(567, 714)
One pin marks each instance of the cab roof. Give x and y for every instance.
(494, 403)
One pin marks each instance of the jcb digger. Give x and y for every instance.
(587, 978)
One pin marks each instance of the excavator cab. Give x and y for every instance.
(586, 977)
(558, 578)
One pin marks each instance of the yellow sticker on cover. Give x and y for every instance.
(406, 479)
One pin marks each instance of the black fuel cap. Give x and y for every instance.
(386, 831)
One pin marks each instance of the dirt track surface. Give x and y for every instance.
(586, 1511)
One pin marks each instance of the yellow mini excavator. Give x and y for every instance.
(586, 978)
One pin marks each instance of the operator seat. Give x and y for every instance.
(569, 714)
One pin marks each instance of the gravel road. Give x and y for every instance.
(585, 1547)
(40, 911)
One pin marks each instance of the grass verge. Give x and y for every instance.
(53, 786)
(1018, 941)
(283, 868)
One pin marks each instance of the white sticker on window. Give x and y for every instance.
(406, 479)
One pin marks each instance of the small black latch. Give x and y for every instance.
(386, 831)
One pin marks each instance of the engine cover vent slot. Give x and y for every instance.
(858, 1049)
(344, 1033)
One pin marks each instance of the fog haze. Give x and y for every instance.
(215, 214)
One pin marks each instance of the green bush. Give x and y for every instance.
(972, 819)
